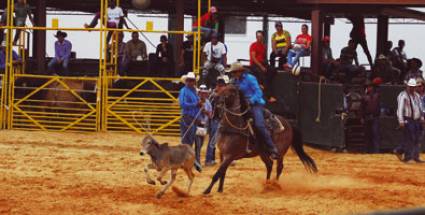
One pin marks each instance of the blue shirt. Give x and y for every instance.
(250, 88)
(3, 58)
(188, 100)
(204, 118)
(63, 50)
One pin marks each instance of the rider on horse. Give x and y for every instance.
(250, 88)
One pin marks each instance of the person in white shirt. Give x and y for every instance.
(410, 117)
(216, 54)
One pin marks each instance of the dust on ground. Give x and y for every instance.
(102, 173)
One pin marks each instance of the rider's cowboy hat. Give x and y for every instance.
(236, 66)
(188, 76)
(412, 83)
(61, 33)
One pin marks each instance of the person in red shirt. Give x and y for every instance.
(259, 67)
(301, 47)
(209, 23)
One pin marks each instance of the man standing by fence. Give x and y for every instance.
(190, 106)
(409, 114)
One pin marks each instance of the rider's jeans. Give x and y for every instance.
(259, 123)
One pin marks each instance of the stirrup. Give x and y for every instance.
(281, 127)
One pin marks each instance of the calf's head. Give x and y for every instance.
(147, 144)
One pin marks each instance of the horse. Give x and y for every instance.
(233, 139)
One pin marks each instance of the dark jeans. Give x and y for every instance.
(199, 142)
(257, 112)
(411, 146)
(373, 136)
(212, 140)
(64, 64)
(282, 58)
(187, 134)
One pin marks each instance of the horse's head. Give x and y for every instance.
(228, 97)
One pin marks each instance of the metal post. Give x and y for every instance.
(198, 50)
(316, 49)
(39, 41)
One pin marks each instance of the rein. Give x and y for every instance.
(226, 111)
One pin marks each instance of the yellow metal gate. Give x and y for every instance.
(143, 105)
(55, 103)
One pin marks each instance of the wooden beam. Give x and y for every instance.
(367, 2)
(39, 39)
(403, 13)
(317, 33)
(382, 35)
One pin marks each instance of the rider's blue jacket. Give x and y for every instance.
(250, 88)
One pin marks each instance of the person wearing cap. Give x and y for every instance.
(190, 107)
(186, 55)
(209, 23)
(370, 112)
(414, 70)
(216, 55)
(301, 47)
(15, 57)
(63, 50)
(165, 58)
(203, 120)
(222, 81)
(410, 116)
(281, 42)
(250, 88)
(384, 70)
(400, 59)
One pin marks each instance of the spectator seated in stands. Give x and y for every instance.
(135, 51)
(348, 55)
(399, 60)
(281, 42)
(115, 19)
(414, 69)
(63, 50)
(121, 50)
(387, 51)
(384, 70)
(165, 58)
(301, 48)
(15, 56)
(209, 24)
(216, 57)
(186, 55)
(328, 61)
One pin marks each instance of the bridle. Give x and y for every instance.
(233, 112)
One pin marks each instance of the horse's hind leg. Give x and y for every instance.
(279, 167)
(269, 165)
(219, 174)
(173, 178)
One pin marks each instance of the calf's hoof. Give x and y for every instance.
(163, 182)
(151, 182)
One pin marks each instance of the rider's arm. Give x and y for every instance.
(258, 94)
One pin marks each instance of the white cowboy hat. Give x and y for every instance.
(412, 83)
(189, 75)
(236, 66)
(203, 89)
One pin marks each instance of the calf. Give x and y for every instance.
(165, 158)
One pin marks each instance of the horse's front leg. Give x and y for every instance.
(220, 174)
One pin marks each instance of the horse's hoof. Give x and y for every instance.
(159, 195)
(151, 182)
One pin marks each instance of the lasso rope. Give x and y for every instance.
(319, 100)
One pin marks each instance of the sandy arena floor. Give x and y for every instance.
(63, 173)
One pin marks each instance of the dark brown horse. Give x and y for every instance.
(233, 139)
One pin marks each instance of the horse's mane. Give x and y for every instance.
(243, 102)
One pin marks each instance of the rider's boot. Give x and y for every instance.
(274, 153)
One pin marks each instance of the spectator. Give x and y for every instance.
(400, 59)
(371, 110)
(3, 22)
(414, 70)
(328, 61)
(358, 35)
(385, 71)
(22, 11)
(165, 58)
(186, 56)
(281, 42)
(387, 51)
(15, 57)
(259, 67)
(115, 19)
(63, 50)
(409, 114)
(301, 47)
(190, 104)
(216, 54)
(214, 121)
(209, 24)
(203, 119)
(348, 55)
(135, 51)
(121, 51)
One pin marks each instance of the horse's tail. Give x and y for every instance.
(297, 145)
(198, 166)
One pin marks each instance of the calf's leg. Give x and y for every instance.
(173, 178)
(149, 180)
(190, 176)
(161, 175)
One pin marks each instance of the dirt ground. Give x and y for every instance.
(102, 173)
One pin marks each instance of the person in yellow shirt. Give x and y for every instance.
(281, 43)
